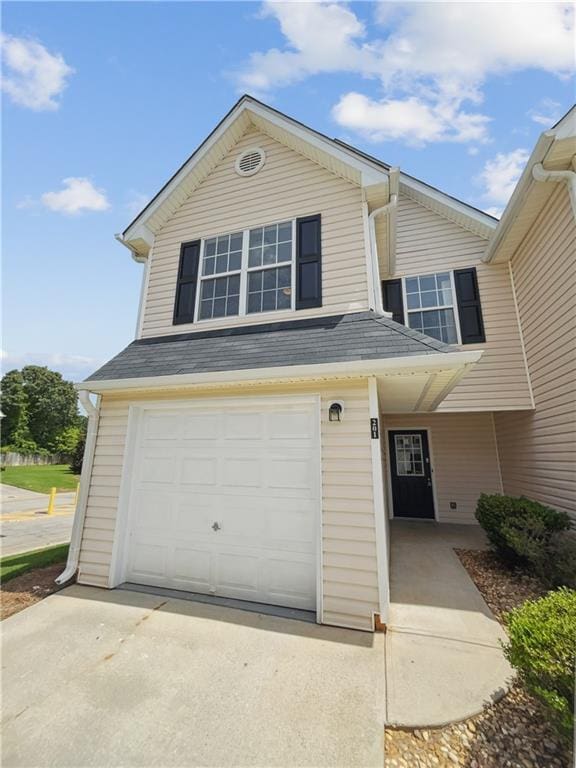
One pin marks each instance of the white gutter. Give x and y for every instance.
(354, 368)
(135, 254)
(539, 173)
(389, 210)
(93, 411)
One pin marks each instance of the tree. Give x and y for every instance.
(41, 410)
(14, 406)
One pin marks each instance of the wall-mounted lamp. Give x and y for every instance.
(335, 412)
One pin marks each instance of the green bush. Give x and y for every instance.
(519, 529)
(542, 648)
(78, 456)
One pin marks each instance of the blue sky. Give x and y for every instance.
(103, 101)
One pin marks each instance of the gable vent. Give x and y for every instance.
(250, 161)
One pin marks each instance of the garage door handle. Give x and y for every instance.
(215, 527)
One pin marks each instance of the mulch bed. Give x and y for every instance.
(30, 588)
(513, 733)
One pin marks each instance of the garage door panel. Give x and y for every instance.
(198, 471)
(191, 566)
(149, 560)
(162, 426)
(243, 426)
(201, 426)
(290, 425)
(290, 582)
(289, 472)
(251, 471)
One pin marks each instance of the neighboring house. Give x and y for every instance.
(323, 343)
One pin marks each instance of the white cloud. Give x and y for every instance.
(72, 367)
(79, 194)
(546, 113)
(410, 119)
(499, 177)
(428, 59)
(33, 77)
(136, 201)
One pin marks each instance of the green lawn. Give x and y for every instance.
(41, 477)
(15, 565)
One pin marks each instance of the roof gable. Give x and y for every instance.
(339, 158)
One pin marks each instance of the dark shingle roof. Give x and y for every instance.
(341, 338)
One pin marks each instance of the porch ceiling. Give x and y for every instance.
(410, 392)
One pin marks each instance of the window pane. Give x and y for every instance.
(413, 300)
(284, 251)
(220, 297)
(269, 290)
(285, 232)
(255, 237)
(428, 283)
(269, 254)
(411, 285)
(409, 455)
(438, 323)
(270, 234)
(255, 257)
(222, 254)
(429, 299)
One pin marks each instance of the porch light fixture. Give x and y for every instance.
(335, 412)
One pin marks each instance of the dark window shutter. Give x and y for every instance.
(469, 309)
(186, 284)
(392, 299)
(308, 262)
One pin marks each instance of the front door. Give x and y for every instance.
(411, 473)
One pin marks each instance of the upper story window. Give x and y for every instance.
(430, 306)
(264, 269)
(444, 305)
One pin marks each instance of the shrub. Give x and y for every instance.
(558, 568)
(519, 529)
(542, 648)
(78, 456)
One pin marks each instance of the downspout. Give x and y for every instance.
(539, 173)
(93, 411)
(387, 209)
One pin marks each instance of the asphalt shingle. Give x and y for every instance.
(339, 338)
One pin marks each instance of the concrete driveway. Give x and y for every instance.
(119, 678)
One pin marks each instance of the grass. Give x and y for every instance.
(41, 477)
(15, 565)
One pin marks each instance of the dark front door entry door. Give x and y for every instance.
(411, 474)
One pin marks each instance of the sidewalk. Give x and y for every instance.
(26, 526)
(444, 662)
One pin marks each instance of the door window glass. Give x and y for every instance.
(409, 455)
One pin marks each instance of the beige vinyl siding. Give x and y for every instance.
(350, 585)
(538, 450)
(429, 243)
(464, 459)
(288, 186)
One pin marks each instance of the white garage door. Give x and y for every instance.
(225, 501)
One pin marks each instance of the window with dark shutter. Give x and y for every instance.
(186, 284)
(392, 299)
(469, 309)
(308, 262)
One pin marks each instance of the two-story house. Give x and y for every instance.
(322, 344)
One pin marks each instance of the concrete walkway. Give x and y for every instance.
(443, 657)
(24, 524)
(117, 678)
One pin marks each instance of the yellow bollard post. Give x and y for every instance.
(51, 502)
(76, 495)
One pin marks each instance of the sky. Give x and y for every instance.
(103, 101)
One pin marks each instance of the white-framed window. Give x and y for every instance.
(409, 455)
(247, 272)
(431, 306)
